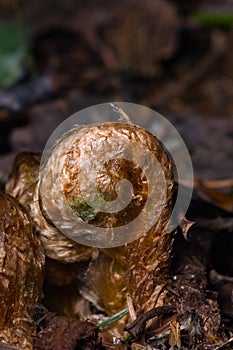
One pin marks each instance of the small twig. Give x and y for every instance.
(132, 313)
(222, 346)
(136, 346)
(138, 326)
(216, 277)
(7, 346)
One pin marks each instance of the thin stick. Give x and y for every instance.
(223, 345)
(132, 313)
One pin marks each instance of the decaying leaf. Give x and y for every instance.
(221, 199)
(61, 333)
(198, 310)
(21, 263)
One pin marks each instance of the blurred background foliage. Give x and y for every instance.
(175, 56)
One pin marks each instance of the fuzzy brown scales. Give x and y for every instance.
(146, 261)
(115, 170)
(21, 263)
(23, 177)
(23, 184)
(143, 263)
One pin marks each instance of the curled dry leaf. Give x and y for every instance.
(21, 263)
(221, 199)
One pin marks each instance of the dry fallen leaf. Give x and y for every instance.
(221, 199)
